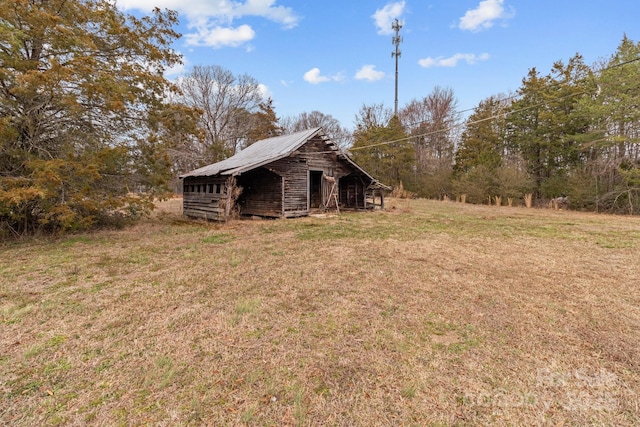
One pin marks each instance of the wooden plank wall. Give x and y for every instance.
(351, 186)
(201, 196)
(279, 188)
(294, 170)
(319, 156)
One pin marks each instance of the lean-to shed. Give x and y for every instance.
(284, 176)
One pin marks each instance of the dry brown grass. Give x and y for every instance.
(428, 314)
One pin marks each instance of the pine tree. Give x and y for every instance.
(385, 152)
(264, 123)
(611, 146)
(78, 81)
(544, 125)
(483, 140)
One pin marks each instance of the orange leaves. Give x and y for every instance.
(15, 192)
(79, 81)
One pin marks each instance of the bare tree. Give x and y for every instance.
(433, 121)
(328, 123)
(373, 116)
(226, 101)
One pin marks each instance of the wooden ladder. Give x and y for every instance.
(333, 193)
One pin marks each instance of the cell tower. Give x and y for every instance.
(396, 40)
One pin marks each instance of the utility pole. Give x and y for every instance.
(396, 40)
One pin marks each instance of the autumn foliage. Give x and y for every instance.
(79, 82)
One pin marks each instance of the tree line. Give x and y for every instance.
(572, 133)
(91, 132)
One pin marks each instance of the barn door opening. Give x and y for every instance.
(315, 189)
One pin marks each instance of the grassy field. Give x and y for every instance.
(430, 313)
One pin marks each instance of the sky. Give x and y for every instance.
(335, 56)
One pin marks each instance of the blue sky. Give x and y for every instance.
(335, 56)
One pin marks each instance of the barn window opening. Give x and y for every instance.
(210, 188)
(218, 188)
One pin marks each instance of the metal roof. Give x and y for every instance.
(269, 150)
(257, 154)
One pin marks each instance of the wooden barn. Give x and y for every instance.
(284, 176)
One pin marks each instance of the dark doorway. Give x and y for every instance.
(261, 193)
(315, 189)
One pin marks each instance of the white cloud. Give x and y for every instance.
(219, 36)
(452, 61)
(369, 72)
(483, 17)
(314, 77)
(265, 8)
(212, 20)
(384, 17)
(265, 91)
(144, 4)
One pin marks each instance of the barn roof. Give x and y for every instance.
(257, 154)
(269, 150)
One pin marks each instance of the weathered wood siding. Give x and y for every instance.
(317, 155)
(351, 187)
(201, 196)
(282, 188)
(320, 156)
(294, 171)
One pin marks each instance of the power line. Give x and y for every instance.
(450, 128)
(493, 117)
(518, 95)
(435, 132)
